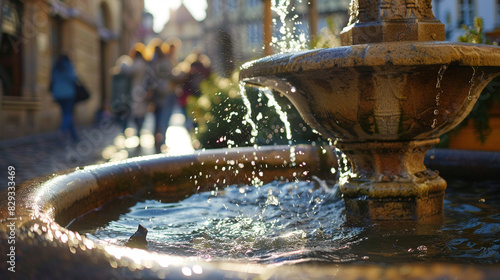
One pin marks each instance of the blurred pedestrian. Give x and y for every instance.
(199, 70)
(139, 85)
(63, 90)
(161, 69)
(121, 87)
(164, 94)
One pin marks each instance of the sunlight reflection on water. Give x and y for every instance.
(304, 221)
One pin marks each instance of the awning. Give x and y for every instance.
(61, 9)
(106, 34)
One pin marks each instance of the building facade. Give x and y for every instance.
(183, 26)
(93, 33)
(456, 13)
(234, 28)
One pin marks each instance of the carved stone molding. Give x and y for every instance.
(374, 21)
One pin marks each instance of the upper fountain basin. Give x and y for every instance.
(383, 91)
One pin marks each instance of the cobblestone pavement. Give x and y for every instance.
(43, 154)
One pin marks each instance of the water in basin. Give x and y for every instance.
(293, 222)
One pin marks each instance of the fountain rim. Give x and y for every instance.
(54, 194)
(42, 201)
(108, 175)
(404, 54)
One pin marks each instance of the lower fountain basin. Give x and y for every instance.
(44, 247)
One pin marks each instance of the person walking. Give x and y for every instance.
(63, 90)
(199, 70)
(120, 94)
(139, 94)
(165, 97)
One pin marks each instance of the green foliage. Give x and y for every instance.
(219, 113)
(480, 113)
(220, 116)
(328, 36)
(473, 34)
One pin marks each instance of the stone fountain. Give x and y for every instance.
(385, 96)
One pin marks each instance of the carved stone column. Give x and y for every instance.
(373, 21)
(389, 180)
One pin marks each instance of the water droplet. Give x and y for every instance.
(259, 116)
(434, 123)
(471, 82)
(440, 75)
(197, 269)
(186, 271)
(422, 248)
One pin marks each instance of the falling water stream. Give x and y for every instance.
(301, 221)
(441, 71)
(471, 82)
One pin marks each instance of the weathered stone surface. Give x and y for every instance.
(391, 21)
(385, 102)
(381, 92)
(395, 208)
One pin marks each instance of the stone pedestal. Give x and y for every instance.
(386, 21)
(390, 181)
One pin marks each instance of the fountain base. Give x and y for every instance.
(395, 208)
(391, 180)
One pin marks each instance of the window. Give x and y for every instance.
(466, 8)
(253, 3)
(217, 7)
(231, 5)
(254, 34)
(11, 49)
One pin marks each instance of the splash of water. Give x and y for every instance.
(471, 82)
(248, 116)
(440, 92)
(344, 172)
(284, 118)
(304, 222)
(289, 38)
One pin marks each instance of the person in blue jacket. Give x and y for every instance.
(63, 90)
